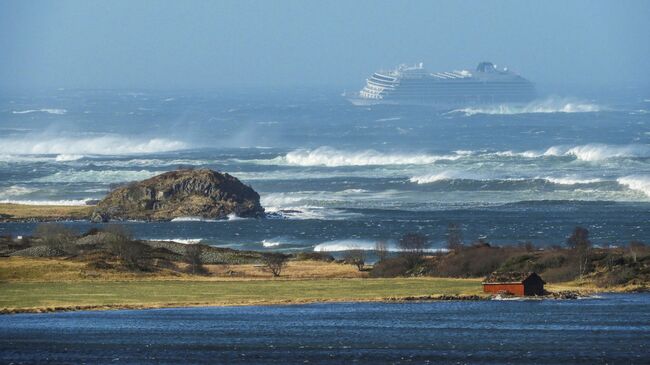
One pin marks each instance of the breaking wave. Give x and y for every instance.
(106, 176)
(102, 145)
(43, 110)
(187, 241)
(360, 244)
(64, 158)
(330, 157)
(16, 190)
(587, 152)
(636, 182)
(460, 175)
(546, 106)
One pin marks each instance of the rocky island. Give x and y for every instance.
(197, 193)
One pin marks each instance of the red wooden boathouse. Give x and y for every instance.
(515, 283)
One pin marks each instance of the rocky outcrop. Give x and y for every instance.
(183, 193)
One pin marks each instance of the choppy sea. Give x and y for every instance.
(610, 329)
(340, 176)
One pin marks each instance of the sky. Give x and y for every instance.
(286, 44)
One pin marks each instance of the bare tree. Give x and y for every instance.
(579, 241)
(275, 262)
(635, 247)
(120, 242)
(56, 236)
(356, 258)
(454, 237)
(413, 243)
(412, 246)
(381, 249)
(193, 257)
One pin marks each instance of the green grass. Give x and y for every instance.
(35, 295)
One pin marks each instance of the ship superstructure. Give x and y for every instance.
(415, 85)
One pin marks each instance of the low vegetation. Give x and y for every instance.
(105, 268)
(22, 212)
(577, 261)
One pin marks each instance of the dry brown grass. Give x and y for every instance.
(45, 212)
(24, 269)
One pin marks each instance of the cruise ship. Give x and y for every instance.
(414, 85)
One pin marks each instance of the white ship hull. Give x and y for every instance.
(446, 90)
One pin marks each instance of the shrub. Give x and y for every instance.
(121, 244)
(390, 267)
(56, 236)
(275, 262)
(314, 256)
(356, 258)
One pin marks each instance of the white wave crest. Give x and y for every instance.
(345, 245)
(330, 157)
(545, 106)
(571, 180)
(636, 182)
(192, 219)
(107, 176)
(64, 157)
(361, 244)
(186, 241)
(271, 243)
(16, 190)
(441, 176)
(43, 110)
(598, 152)
(102, 145)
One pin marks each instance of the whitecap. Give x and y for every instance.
(101, 145)
(539, 106)
(330, 157)
(186, 241)
(362, 244)
(106, 176)
(568, 180)
(636, 182)
(65, 157)
(16, 190)
(43, 110)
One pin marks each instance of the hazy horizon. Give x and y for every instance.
(244, 44)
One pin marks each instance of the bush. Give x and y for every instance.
(314, 256)
(390, 267)
(56, 236)
(356, 258)
(121, 244)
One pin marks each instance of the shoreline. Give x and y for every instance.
(385, 300)
(388, 300)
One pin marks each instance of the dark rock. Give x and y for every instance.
(183, 193)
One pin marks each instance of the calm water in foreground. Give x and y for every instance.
(612, 329)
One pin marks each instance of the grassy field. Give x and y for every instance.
(44, 212)
(41, 284)
(39, 296)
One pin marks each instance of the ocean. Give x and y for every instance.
(610, 329)
(338, 176)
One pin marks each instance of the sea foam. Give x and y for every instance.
(72, 146)
(106, 176)
(543, 106)
(636, 182)
(43, 110)
(330, 157)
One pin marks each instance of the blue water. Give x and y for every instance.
(342, 176)
(614, 329)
